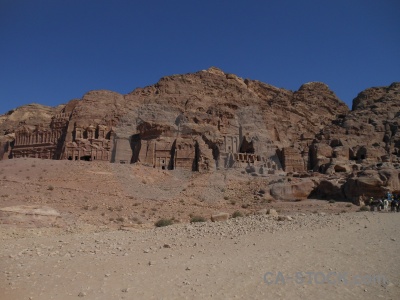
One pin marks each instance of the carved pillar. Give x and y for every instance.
(225, 143)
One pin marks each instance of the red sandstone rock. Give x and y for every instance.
(220, 217)
(211, 120)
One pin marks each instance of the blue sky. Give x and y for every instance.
(52, 51)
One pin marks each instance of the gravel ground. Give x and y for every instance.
(221, 260)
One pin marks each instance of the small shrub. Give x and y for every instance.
(134, 219)
(233, 202)
(144, 181)
(196, 219)
(237, 214)
(164, 222)
(349, 205)
(111, 219)
(364, 208)
(95, 207)
(103, 214)
(86, 207)
(226, 197)
(50, 188)
(332, 201)
(120, 219)
(246, 205)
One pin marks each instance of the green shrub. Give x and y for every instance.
(237, 214)
(196, 219)
(364, 208)
(164, 222)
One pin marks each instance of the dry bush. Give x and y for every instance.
(164, 222)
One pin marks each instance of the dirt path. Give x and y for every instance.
(224, 260)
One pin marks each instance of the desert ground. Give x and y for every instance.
(72, 230)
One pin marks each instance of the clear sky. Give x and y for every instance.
(52, 51)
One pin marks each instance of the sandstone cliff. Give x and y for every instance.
(211, 119)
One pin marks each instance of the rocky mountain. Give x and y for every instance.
(31, 114)
(211, 120)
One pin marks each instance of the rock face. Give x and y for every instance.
(212, 120)
(29, 115)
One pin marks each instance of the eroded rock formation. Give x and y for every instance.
(211, 120)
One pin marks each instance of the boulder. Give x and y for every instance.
(292, 190)
(329, 189)
(272, 212)
(220, 217)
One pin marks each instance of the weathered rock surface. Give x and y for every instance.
(220, 217)
(212, 120)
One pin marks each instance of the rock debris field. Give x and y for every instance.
(86, 231)
(251, 257)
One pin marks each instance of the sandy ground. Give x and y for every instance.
(111, 195)
(213, 260)
(60, 238)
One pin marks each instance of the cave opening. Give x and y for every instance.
(247, 147)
